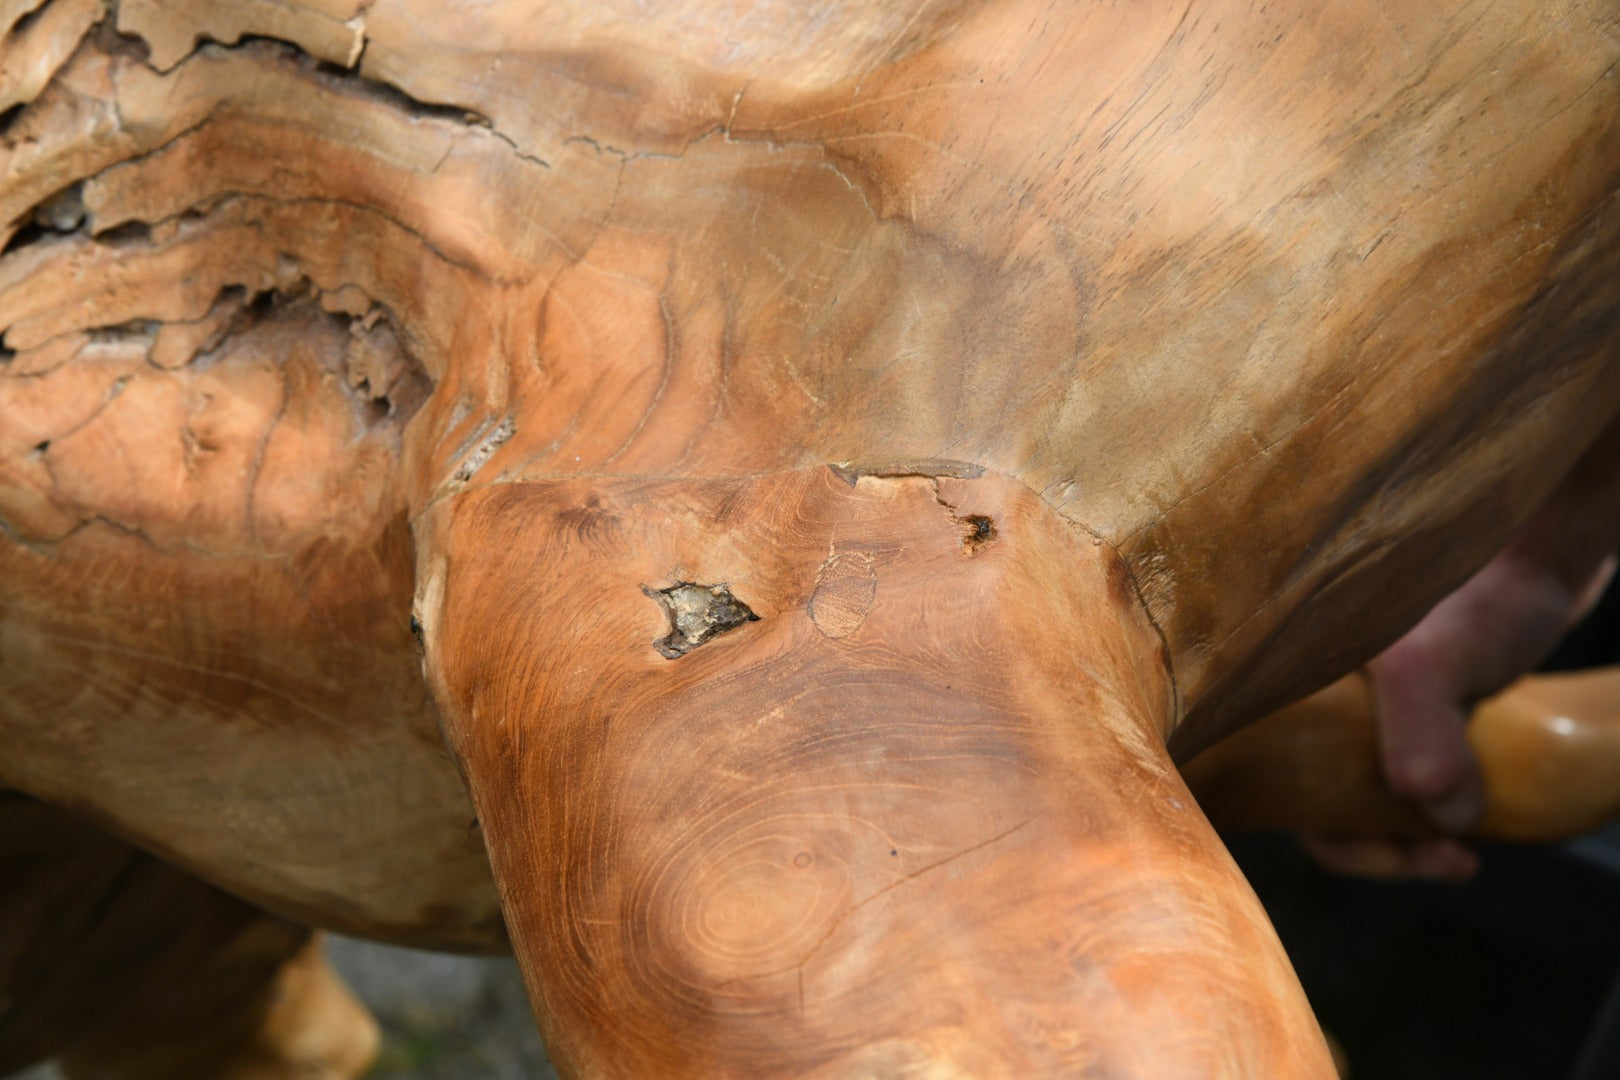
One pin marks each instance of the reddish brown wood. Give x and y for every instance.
(891, 826)
(1062, 385)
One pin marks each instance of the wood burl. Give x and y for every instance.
(744, 504)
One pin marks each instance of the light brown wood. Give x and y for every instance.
(1548, 747)
(1062, 385)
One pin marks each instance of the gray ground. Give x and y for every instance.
(443, 1017)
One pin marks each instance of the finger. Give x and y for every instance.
(1442, 859)
(1354, 856)
(1426, 757)
(1591, 591)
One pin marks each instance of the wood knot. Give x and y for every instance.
(980, 531)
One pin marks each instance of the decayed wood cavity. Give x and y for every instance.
(697, 614)
(205, 568)
(206, 578)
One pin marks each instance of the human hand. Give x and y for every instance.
(1497, 627)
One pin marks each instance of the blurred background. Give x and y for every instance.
(443, 1017)
(1504, 978)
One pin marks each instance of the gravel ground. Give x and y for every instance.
(443, 1017)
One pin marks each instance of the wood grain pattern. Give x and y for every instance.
(948, 842)
(1062, 384)
(271, 513)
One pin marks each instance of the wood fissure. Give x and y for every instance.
(809, 452)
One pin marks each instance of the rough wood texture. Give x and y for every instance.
(1172, 359)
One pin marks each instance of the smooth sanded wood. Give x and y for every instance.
(1248, 329)
(928, 834)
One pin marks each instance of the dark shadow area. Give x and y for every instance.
(1512, 976)
(1499, 978)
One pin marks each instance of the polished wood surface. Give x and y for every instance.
(1143, 366)
(890, 827)
(1548, 747)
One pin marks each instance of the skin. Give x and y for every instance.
(1498, 626)
(1548, 749)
